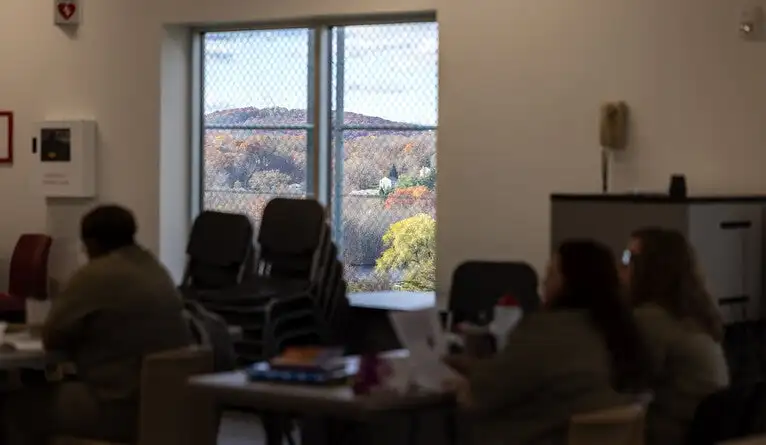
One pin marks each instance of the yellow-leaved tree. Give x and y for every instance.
(411, 250)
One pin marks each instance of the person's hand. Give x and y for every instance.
(461, 388)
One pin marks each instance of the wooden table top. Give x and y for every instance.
(10, 360)
(392, 300)
(233, 388)
(35, 358)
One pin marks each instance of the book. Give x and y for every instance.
(308, 358)
(263, 372)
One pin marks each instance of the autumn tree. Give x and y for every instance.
(411, 250)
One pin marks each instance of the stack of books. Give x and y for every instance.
(309, 365)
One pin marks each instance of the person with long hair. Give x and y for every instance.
(681, 325)
(569, 358)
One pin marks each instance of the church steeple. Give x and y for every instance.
(393, 174)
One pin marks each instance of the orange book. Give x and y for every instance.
(308, 358)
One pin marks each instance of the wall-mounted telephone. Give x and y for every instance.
(614, 125)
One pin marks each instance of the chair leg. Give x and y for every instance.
(274, 427)
(290, 438)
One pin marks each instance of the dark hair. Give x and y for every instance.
(665, 272)
(591, 281)
(107, 228)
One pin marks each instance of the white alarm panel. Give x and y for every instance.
(66, 152)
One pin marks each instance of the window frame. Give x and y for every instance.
(324, 134)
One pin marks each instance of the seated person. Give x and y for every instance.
(118, 308)
(681, 326)
(564, 360)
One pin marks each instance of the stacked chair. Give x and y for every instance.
(288, 290)
(219, 252)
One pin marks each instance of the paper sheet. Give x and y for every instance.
(420, 330)
(421, 333)
(23, 342)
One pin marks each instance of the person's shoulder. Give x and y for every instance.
(560, 315)
(657, 324)
(562, 332)
(94, 269)
(124, 265)
(557, 321)
(129, 260)
(651, 312)
(89, 280)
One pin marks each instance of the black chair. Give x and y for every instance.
(290, 295)
(478, 285)
(732, 413)
(289, 240)
(269, 296)
(331, 299)
(220, 251)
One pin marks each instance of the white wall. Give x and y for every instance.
(521, 82)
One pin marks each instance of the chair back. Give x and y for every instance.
(622, 425)
(732, 413)
(167, 406)
(219, 251)
(478, 285)
(28, 275)
(289, 240)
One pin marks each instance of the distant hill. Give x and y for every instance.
(277, 116)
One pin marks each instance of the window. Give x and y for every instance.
(343, 114)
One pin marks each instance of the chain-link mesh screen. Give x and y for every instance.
(259, 101)
(256, 96)
(385, 80)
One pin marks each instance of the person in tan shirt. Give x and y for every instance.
(681, 326)
(118, 308)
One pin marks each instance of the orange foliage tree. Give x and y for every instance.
(419, 199)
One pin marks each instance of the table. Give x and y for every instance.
(393, 300)
(10, 360)
(338, 403)
(30, 353)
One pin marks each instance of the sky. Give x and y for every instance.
(391, 71)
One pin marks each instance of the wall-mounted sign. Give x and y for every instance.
(67, 12)
(67, 156)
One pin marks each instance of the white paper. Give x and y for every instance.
(22, 341)
(428, 371)
(418, 330)
(4, 133)
(400, 378)
(505, 320)
(421, 333)
(37, 311)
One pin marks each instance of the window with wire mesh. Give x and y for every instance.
(385, 93)
(257, 118)
(258, 127)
